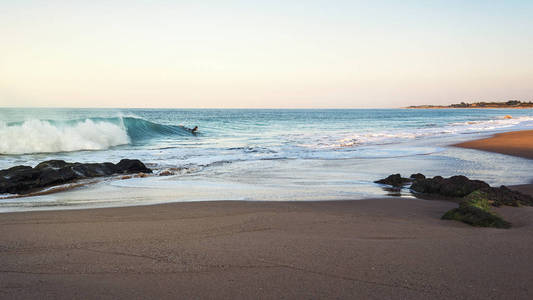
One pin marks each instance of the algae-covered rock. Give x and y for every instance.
(475, 210)
(476, 196)
(455, 186)
(505, 196)
(477, 199)
(476, 217)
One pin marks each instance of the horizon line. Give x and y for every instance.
(117, 107)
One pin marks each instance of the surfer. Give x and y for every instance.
(191, 130)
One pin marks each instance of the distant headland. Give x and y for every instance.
(507, 104)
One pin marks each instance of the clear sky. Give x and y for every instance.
(287, 54)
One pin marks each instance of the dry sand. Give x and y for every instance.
(364, 249)
(517, 143)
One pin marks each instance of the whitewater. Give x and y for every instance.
(251, 154)
(37, 136)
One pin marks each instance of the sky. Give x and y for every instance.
(264, 54)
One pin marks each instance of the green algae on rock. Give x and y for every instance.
(475, 210)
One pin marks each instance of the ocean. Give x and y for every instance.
(254, 154)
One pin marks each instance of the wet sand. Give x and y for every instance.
(366, 249)
(517, 143)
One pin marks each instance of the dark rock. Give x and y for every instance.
(460, 186)
(24, 179)
(417, 176)
(505, 196)
(51, 164)
(95, 170)
(476, 197)
(427, 185)
(132, 166)
(49, 176)
(8, 172)
(455, 186)
(394, 180)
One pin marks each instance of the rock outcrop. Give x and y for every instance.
(417, 176)
(395, 180)
(25, 179)
(455, 186)
(505, 196)
(476, 197)
(475, 209)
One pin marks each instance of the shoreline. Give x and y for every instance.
(515, 143)
(370, 248)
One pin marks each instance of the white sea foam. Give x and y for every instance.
(37, 136)
(399, 135)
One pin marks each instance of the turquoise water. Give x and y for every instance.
(237, 153)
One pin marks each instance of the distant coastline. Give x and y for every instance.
(511, 104)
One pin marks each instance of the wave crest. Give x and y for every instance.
(48, 136)
(37, 136)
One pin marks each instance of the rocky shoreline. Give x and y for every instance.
(25, 179)
(475, 197)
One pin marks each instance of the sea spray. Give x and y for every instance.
(38, 136)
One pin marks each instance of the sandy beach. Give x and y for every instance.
(266, 150)
(517, 143)
(377, 249)
(393, 248)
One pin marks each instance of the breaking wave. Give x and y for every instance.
(47, 136)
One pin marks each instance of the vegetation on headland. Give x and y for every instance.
(506, 104)
(476, 198)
